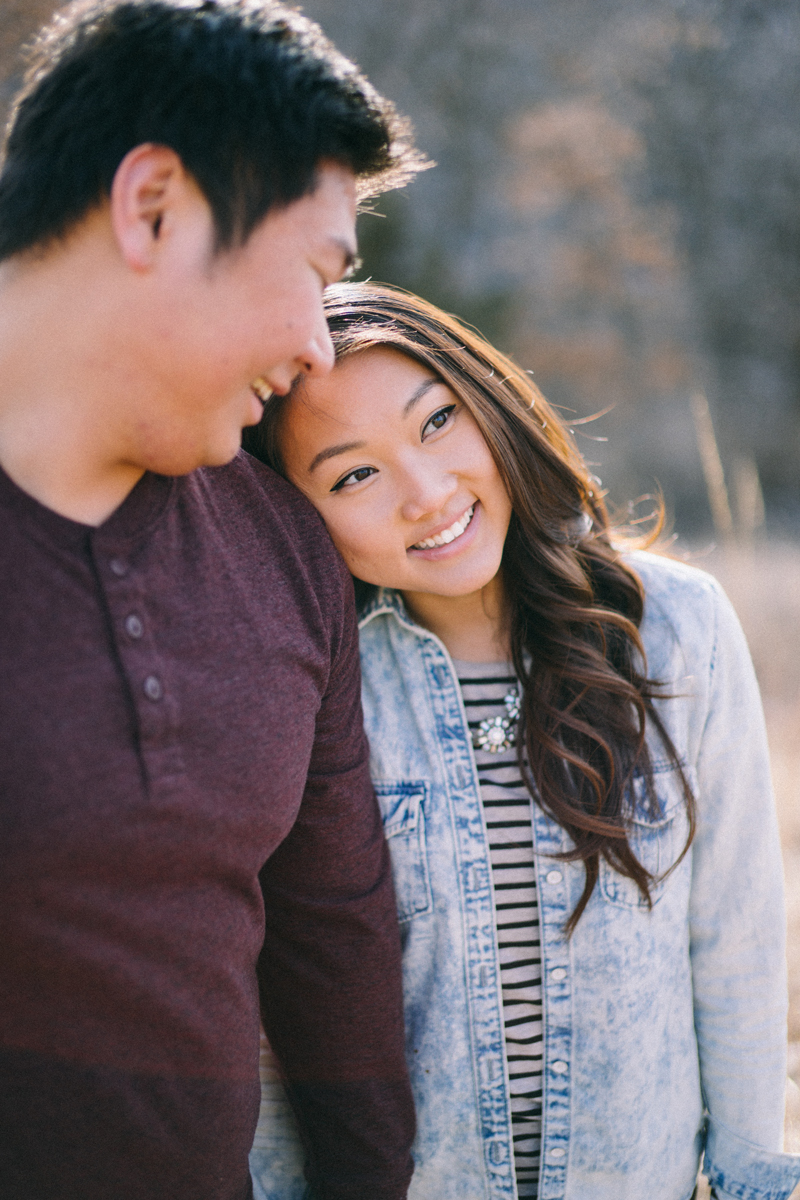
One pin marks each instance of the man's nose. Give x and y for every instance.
(318, 356)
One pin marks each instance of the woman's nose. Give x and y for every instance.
(427, 491)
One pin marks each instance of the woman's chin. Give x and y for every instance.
(457, 584)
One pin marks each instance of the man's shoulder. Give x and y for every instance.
(245, 478)
(267, 524)
(249, 495)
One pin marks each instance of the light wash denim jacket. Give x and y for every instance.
(665, 1030)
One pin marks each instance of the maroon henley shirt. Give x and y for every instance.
(182, 768)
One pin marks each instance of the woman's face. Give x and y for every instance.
(400, 473)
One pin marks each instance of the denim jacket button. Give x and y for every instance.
(554, 877)
(560, 1068)
(557, 1152)
(557, 974)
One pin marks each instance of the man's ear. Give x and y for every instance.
(148, 188)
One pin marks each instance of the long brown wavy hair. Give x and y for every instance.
(574, 605)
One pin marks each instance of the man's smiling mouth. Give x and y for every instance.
(261, 389)
(447, 535)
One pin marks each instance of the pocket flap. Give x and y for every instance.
(668, 797)
(400, 806)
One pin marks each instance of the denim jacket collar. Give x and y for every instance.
(388, 601)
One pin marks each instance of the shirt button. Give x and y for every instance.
(554, 877)
(152, 688)
(133, 626)
(119, 566)
(557, 1152)
(558, 973)
(560, 1068)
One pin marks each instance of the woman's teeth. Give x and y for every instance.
(447, 535)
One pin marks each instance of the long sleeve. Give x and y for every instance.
(737, 929)
(329, 972)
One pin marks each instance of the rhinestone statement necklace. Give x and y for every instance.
(496, 734)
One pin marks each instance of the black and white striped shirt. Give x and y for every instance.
(488, 690)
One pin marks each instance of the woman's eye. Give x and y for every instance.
(352, 477)
(438, 420)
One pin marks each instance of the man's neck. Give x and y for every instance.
(60, 485)
(56, 414)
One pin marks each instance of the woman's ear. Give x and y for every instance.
(148, 191)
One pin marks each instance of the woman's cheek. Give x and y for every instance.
(364, 564)
(363, 534)
(349, 545)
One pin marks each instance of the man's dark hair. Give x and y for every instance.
(251, 95)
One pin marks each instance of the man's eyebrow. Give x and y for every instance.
(351, 261)
(331, 452)
(421, 391)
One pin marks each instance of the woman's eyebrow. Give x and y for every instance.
(332, 451)
(343, 447)
(423, 388)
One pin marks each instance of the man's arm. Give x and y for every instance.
(329, 972)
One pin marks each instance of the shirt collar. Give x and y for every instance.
(388, 602)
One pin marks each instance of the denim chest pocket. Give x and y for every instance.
(402, 806)
(656, 835)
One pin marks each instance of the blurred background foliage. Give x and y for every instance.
(616, 204)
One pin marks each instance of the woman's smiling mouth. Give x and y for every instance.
(447, 535)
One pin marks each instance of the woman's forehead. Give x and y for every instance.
(377, 379)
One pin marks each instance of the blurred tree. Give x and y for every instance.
(722, 133)
(615, 203)
(20, 19)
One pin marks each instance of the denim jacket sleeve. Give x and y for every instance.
(737, 930)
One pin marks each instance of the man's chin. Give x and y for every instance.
(183, 462)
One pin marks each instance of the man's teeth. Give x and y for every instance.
(447, 535)
(262, 389)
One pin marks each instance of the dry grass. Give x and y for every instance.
(764, 585)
